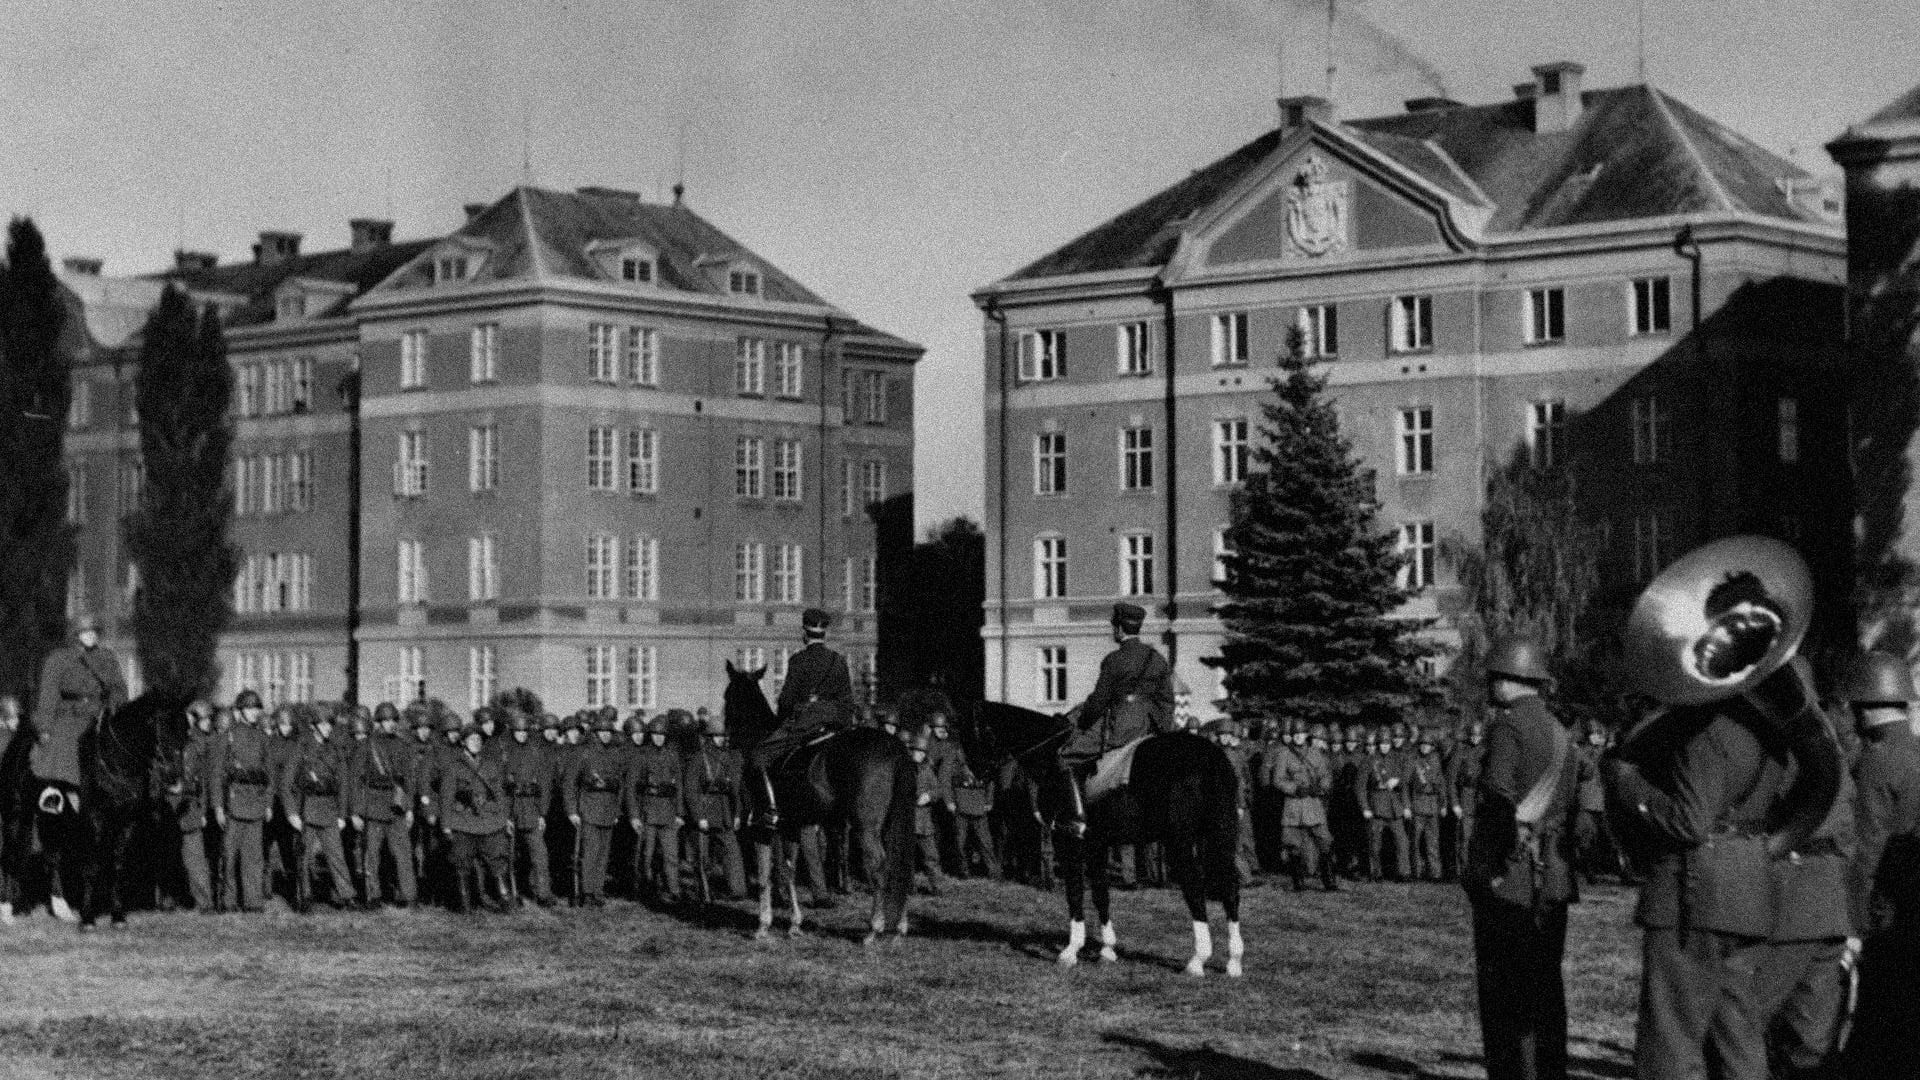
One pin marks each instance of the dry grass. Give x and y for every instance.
(1373, 982)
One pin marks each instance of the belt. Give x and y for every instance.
(65, 696)
(664, 791)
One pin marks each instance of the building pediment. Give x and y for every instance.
(453, 261)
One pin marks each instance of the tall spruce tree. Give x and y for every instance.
(178, 535)
(1311, 583)
(36, 540)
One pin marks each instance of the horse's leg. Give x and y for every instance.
(1073, 872)
(873, 861)
(763, 863)
(123, 829)
(1193, 887)
(1096, 863)
(1236, 948)
(795, 917)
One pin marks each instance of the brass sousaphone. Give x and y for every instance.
(1718, 624)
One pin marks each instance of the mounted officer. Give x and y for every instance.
(818, 694)
(79, 684)
(1132, 699)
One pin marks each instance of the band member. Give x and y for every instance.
(1519, 870)
(1132, 699)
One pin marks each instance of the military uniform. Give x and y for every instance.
(1803, 983)
(475, 819)
(928, 792)
(594, 794)
(189, 797)
(1463, 777)
(1303, 777)
(1429, 797)
(381, 801)
(1133, 698)
(243, 790)
(313, 790)
(1386, 811)
(659, 804)
(1345, 807)
(712, 780)
(530, 784)
(78, 685)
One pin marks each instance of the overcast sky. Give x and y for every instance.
(892, 155)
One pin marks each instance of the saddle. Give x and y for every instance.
(803, 772)
(1112, 771)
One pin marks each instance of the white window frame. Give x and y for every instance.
(1050, 567)
(1222, 552)
(1232, 450)
(483, 674)
(483, 568)
(1415, 544)
(602, 564)
(1232, 344)
(641, 458)
(1043, 355)
(749, 572)
(1136, 458)
(410, 558)
(1414, 445)
(1410, 323)
(247, 395)
(1546, 432)
(410, 465)
(414, 349)
(873, 395)
(300, 385)
(643, 677)
(788, 573)
(483, 350)
(1133, 347)
(1544, 315)
(873, 482)
(600, 675)
(483, 457)
(1050, 674)
(300, 482)
(603, 353)
(640, 356)
(750, 367)
(603, 444)
(750, 467)
(869, 596)
(1320, 331)
(1050, 463)
(787, 477)
(1136, 564)
(76, 494)
(640, 569)
(789, 363)
(1650, 306)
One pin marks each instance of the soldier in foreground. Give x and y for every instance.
(713, 783)
(1303, 777)
(243, 787)
(530, 784)
(382, 810)
(313, 794)
(1519, 870)
(474, 809)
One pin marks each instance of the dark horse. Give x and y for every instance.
(859, 777)
(1181, 793)
(125, 760)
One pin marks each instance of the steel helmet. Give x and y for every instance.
(713, 726)
(1514, 656)
(1878, 678)
(605, 720)
(246, 699)
(656, 726)
(518, 721)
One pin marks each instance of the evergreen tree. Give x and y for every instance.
(1311, 582)
(178, 536)
(36, 540)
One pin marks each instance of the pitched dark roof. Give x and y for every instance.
(257, 281)
(1904, 107)
(1635, 152)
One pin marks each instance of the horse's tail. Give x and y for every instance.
(899, 841)
(1220, 826)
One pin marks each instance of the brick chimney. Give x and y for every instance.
(370, 234)
(80, 266)
(1556, 96)
(1298, 111)
(276, 247)
(195, 260)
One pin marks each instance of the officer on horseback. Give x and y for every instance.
(79, 684)
(1132, 699)
(817, 694)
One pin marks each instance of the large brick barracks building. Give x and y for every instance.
(1602, 277)
(603, 448)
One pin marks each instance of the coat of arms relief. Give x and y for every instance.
(1317, 210)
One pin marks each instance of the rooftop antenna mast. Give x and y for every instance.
(1330, 66)
(526, 140)
(680, 178)
(1640, 44)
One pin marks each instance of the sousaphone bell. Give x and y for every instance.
(1719, 623)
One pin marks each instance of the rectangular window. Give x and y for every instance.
(869, 583)
(1136, 564)
(1546, 432)
(1417, 550)
(1410, 324)
(637, 269)
(483, 568)
(273, 682)
(787, 574)
(847, 471)
(1546, 316)
(1050, 568)
(599, 675)
(750, 657)
(640, 356)
(1320, 331)
(410, 467)
(300, 385)
(413, 359)
(247, 400)
(786, 470)
(1230, 450)
(643, 677)
(482, 675)
(240, 482)
(600, 450)
(849, 395)
(1051, 674)
(788, 361)
(603, 352)
(1651, 304)
(302, 588)
(273, 485)
(300, 677)
(640, 569)
(749, 467)
(76, 494)
(750, 367)
(483, 353)
(1222, 557)
(1652, 431)
(1043, 355)
(848, 583)
(1050, 463)
(1650, 542)
(300, 481)
(1133, 346)
(1789, 447)
(449, 268)
(1416, 441)
(873, 482)
(743, 282)
(276, 388)
(874, 395)
(483, 457)
(602, 551)
(1136, 458)
(80, 406)
(290, 306)
(411, 557)
(642, 462)
(1230, 348)
(749, 577)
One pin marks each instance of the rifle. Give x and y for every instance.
(301, 900)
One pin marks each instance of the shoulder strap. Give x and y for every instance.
(1534, 806)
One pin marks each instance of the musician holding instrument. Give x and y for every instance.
(1739, 770)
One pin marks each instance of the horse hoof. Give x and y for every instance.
(1068, 958)
(868, 941)
(1196, 967)
(119, 920)
(1108, 955)
(762, 934)
(795, 932)
(1234, 970)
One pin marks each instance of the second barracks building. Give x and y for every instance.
(1602, 277)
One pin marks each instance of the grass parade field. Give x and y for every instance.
(1372, 982)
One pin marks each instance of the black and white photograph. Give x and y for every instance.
(1031, 539)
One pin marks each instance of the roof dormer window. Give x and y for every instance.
(743, 281)
(636, 268)
(449, 268)
(290, 305)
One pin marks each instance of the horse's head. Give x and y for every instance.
(1009, 731)
(746, 712)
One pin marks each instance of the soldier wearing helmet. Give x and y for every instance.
(1464, 761)
(528, 769)
(1879, 691)
(659, 804)
(381, 805)
(712, 780)
(1385, 810)
(188, 795)
(243, 787)
(475, 820)
(1429, 797)
(313, 792)
(594, 795)
(1303, 776)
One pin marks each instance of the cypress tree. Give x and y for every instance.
(1311, 579)
(178, 536)
(36, 540)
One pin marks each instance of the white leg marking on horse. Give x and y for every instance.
(58, 905)
(1076, 940)
(1236, 949)
(1202, 949)
(1108, 939)
(6, 914)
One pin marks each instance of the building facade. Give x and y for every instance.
(1601, 277)
(602, 449)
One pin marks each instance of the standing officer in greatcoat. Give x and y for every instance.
(1303, 776)
(1385, 809)
(1132, 699)
(1428, 797)
(1887, 818)
(1519, 870)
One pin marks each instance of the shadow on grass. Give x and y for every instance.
(1203, 1063)
(1399, 1066)
(1579, 1067)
